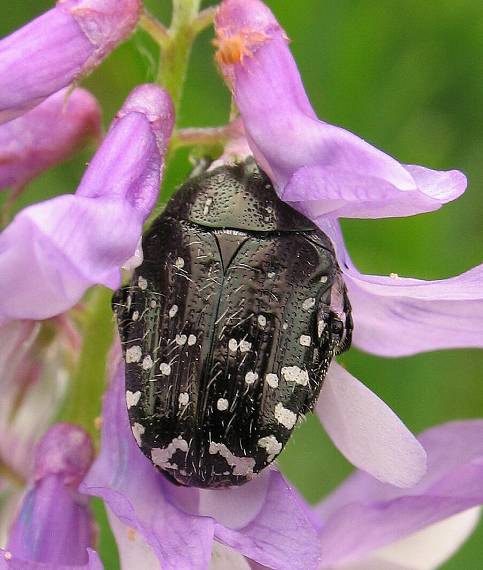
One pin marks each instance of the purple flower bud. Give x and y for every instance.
(54, 525)
(46, 135)
(64, 450)
(58, 48)
(323, 168)
(71, 242)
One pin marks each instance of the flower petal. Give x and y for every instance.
(429, 548)
(224, 558)
(322, 166)
(34, 66)
(138, 495)
(10, 562)
(281, 536)
(385, 514)
(367, 431)
(133, 550)
(46, 135)
(397, 316)
(69, 243)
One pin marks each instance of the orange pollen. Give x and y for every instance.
(131, 534)
(233, 49)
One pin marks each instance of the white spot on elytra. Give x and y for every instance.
(222, 404)
(153, 304)
(173, 311)
(250, 377)
(262, 320)
(295, 374)
(160, 456)
(241, 465)
(135, 316)
(272, 380)
(320, 327)
(245, 346)
(183, 398)
(324, 279)
(308, 304)
(271, 445)
(285, 416)
(142, 283)
(165, 369)
(133, 354)
(132, 398)
(147, 362)
(191, 340)
(305, 340)
(208, 203)
(232, 345)
(179, 262)
(137, 431)
(181, 339)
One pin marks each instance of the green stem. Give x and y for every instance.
(176, 53)
(206, 136)
(154, 28)
(204, 19)
(84, 400)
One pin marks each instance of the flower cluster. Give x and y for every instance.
(406, 490)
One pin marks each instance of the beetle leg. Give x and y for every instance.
(200, 165)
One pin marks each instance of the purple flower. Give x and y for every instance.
(48, 134)
(265, 519)
(58, 48)
(388, 516)
(54, 528)
(327, 172)
(71, 242)
(364, 524)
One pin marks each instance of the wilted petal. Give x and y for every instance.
(69, 243)
(48, 134)
(385, 515)
(367, 431)
(54, 524)
(33, 378)
(58, 48)
(322, 166)
(139, 496)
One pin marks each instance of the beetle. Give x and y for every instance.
(228, 327)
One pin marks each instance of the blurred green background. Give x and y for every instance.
(405, 75)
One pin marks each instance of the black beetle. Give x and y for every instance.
(228, 327)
